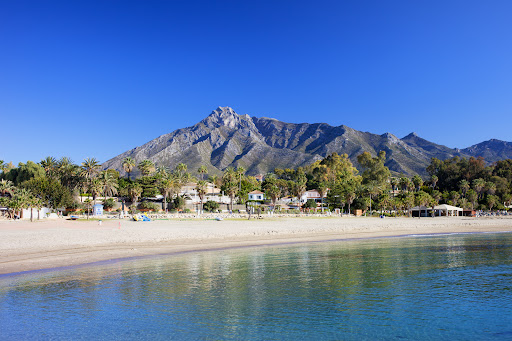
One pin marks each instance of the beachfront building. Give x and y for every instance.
(439, 211)
(256, 196)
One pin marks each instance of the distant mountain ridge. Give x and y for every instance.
(225, 139)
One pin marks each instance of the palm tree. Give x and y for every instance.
(436, 196)
(230, 184)
(349, 197)
(7, 187)
(135, 190)
(433, 180)
(322, 189)
(464, 186)
(162, 171)
(146, 167)
(128, 165)
(90, 167)
(273, 192)
(109, 183)
(417, 181)
(95, 188)
(49, 165)
(166, 186)
(300, 187)
(490, 188)
(216, 181)
(394, 182)
(372, 189)
(478, 185)
(201, 189)
(240, 171)
(202, 170)
(422, 199)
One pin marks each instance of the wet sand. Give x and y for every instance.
(26, 245)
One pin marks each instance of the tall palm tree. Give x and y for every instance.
(90, 168)
(146, 167)
(349, 197)
(135, 190)
(49, 165)
(201, 189)
(240, 171)
(299, 187)
(229, 182)
(464, 186)
(417, 181)
(128, 165)
(109, 184)
(202, 170)
(167, 186)
(478, 185)
(95, 188)
(322, 189)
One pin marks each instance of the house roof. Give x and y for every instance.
(256, 192)
(448, 208)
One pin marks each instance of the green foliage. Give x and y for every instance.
(24, 172)
(374, 169)
(211, 206)
(178, 203)
(310, 204)
(109, 203)
(50, 191)
(149, 205)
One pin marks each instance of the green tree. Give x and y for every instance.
(230, 183)
(202, 171)
(201, 189)
(128, 165)
(146, 167)
(109, 183)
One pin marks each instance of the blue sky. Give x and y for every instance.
(96, 78)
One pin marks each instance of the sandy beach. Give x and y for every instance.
(26, 246)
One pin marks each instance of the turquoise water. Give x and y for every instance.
(453, 287)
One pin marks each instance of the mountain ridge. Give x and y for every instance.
(260, 144)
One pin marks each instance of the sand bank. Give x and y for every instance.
(46, 244)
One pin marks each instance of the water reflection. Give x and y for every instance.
(385, 288)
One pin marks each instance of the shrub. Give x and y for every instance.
(148, 205)
(75, 206)
(109, 204)
(211, 206)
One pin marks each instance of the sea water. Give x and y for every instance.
(451, 287)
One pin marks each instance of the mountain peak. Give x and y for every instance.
(227, 117)
(411, 135)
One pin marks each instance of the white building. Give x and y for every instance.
(256, 196)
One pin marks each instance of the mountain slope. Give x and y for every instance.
(225, 139)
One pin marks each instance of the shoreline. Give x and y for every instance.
(26, 246)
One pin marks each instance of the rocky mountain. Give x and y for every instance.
(225, 139)
(492, 150)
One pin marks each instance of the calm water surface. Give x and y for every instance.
(454, 287)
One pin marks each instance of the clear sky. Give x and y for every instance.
(90, 78)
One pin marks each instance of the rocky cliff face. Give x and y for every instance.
(225, 139)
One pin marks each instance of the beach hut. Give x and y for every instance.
(448, 210)
(97, 209)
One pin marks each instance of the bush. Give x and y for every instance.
(109, 204)
(148, 205)
(210, 206)
(75, 206)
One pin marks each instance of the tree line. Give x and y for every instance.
(468, 183)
